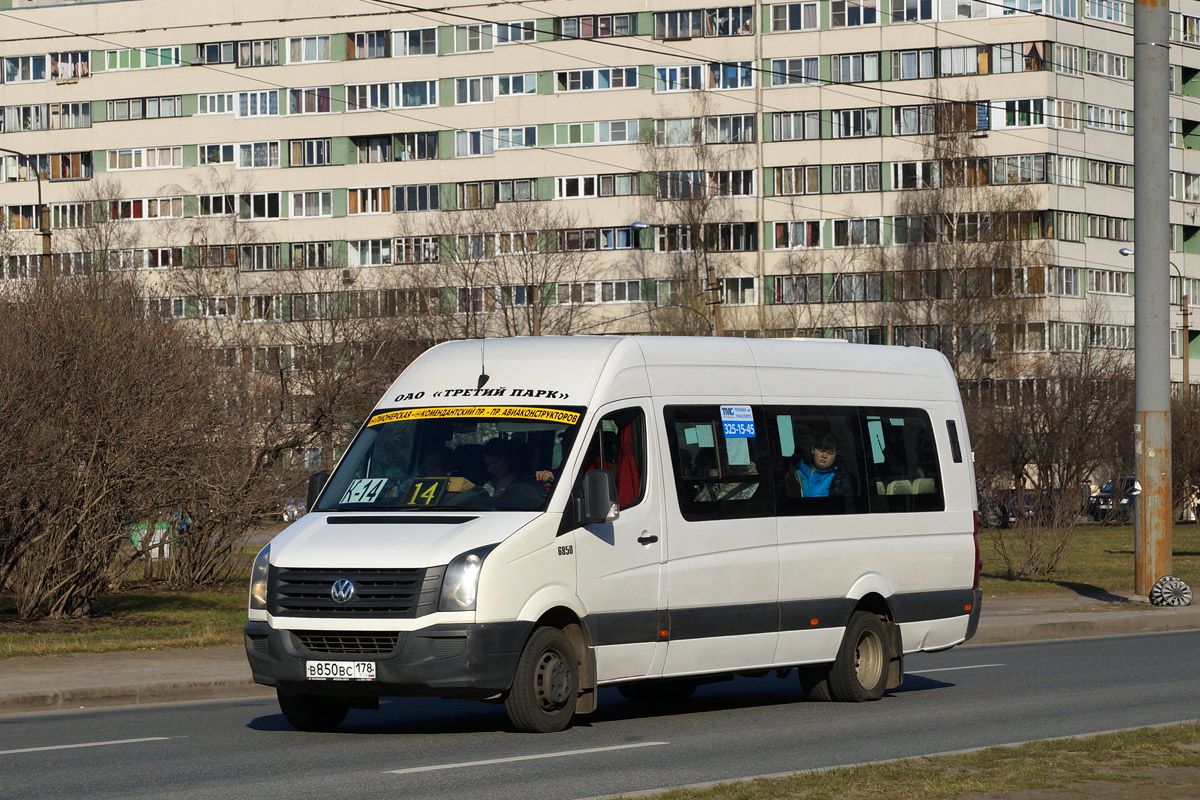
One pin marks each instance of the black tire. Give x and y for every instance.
(860, 671)
(545, 685)
(664, 691)
(814, 681)
(313, 713)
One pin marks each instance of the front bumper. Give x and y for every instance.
(441, 661)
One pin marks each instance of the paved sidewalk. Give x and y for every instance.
(88, 680)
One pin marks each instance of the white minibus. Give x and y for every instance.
(528, 520)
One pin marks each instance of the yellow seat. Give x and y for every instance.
(900, 487)
(924, 486)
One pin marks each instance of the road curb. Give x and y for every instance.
(1110, 623)
(161, 692)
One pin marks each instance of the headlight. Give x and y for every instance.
(258, 580)
(461, 582)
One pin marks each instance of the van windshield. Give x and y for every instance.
(486, 458)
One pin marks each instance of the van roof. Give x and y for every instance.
(566, 370)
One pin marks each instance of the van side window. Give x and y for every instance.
(619, 446)
(902, 462)
(819, 453)
(720, 457)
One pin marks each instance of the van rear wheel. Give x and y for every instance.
(545, 685)
(861, 669)
(313, 713)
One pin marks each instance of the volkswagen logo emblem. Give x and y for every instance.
(342, 591)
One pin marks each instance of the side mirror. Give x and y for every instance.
(599, 497)
(316, 482)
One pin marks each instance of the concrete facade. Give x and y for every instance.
(235, 98)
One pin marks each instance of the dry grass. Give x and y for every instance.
(1130, 764)
(1098, 559)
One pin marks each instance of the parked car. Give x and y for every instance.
(1115, 501)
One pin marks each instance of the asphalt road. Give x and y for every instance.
(968, 697)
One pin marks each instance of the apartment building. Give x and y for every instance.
(635, 166)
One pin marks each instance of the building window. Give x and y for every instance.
(587, 80)
(524, 83)
(513, 32)
(254, 155)
(855, 67)
(145, 108)
(370, 252)
(913, 120)
(311, 152)
(797, 125)
(145, 158)
(260, 53)
(372, 200)
(1102, 227)
(912, 10)
(798, 288)
(855, 178)
(474, 90)
(415, 94)
(306, 49)
(851, 13)
(259, 206)
(147, 58)
(417, 146)
(795, 71)
(850, 123)
(415, 42)
(260, 257)
(595, 26)
(314, 100)
(374, 149)
(258, 104)
(910, 65)
(417, 197)
(217, 53)
(474, 38)
(217, 205)
(368, 44)
(369, 96)
(1018, 169)
(222, 103)
(856, 232)
(794, 17)
(312, 204)
(70, 65)
(69, 115)
(312, 255)
(798, 180)
(738, 291)
(418, 250)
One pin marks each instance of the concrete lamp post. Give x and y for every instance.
(1185, 311)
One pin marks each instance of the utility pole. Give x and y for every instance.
(1151, 303)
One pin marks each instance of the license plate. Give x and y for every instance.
(339, 670)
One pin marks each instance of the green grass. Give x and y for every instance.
(141, 616)
(139, 619)
(1099, 558)
(1132, 764)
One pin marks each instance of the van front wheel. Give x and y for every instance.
(306, 712)
(861, 669)
(545, 685)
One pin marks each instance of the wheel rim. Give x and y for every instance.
(552, 681)
(868, 659)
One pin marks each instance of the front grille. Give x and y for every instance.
(378, 594)
(348, 643)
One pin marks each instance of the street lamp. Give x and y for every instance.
(43, 213)
(1185, 311)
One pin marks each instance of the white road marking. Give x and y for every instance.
(949, 669)
(83, 744)
(462, 764)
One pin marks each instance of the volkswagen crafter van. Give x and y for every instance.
(527, 520)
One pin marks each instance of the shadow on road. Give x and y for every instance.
(432, 716)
